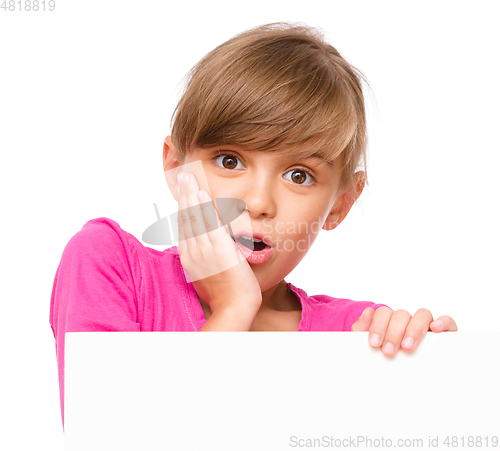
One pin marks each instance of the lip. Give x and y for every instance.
(257, 235)
(254, 257)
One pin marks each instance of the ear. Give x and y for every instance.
(171, 161)
(345, 201)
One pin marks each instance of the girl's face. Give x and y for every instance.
(288, 199)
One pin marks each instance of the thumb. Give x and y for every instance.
(364, 321)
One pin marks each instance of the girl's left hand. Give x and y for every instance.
(393, 330)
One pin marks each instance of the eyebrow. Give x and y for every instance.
(314, 155)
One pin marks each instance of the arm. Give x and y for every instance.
(93, 288)
(229, 320)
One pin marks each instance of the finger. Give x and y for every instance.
(216, 234)
(416, 330)
(363, 322)
(395, 332)
(215, 242)
(184, 226)
(209, 213)
(193, 210)
(443, 324)
(379, 324)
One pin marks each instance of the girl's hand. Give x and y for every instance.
(392, 330)
(219, 272)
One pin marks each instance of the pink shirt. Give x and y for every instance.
(108, 281)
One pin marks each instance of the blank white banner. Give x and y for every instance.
(279, 391)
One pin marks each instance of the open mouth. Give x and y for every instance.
(253, 244)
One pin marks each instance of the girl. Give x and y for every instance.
(270, 131)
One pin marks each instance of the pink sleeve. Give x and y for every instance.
(356, 310)
(93, 287)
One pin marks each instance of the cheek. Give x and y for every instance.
(217, 187)
(298, 237)
(212, 188)
(305, 241)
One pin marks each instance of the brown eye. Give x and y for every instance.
(298, 177)
(229, 162)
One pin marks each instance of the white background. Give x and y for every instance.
(87, 92)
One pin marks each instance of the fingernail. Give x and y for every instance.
(438, 324)
(374, 339)
(179, 177)
(200, 194)
(388, 348)
(408, 343)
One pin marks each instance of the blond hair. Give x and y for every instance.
(275, 87)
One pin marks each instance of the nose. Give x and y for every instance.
(259, 194)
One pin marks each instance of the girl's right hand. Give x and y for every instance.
(218, 271)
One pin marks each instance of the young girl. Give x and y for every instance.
(272, 126)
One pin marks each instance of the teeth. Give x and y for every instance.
(255, 240)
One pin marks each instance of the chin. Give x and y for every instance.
(266, 283)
